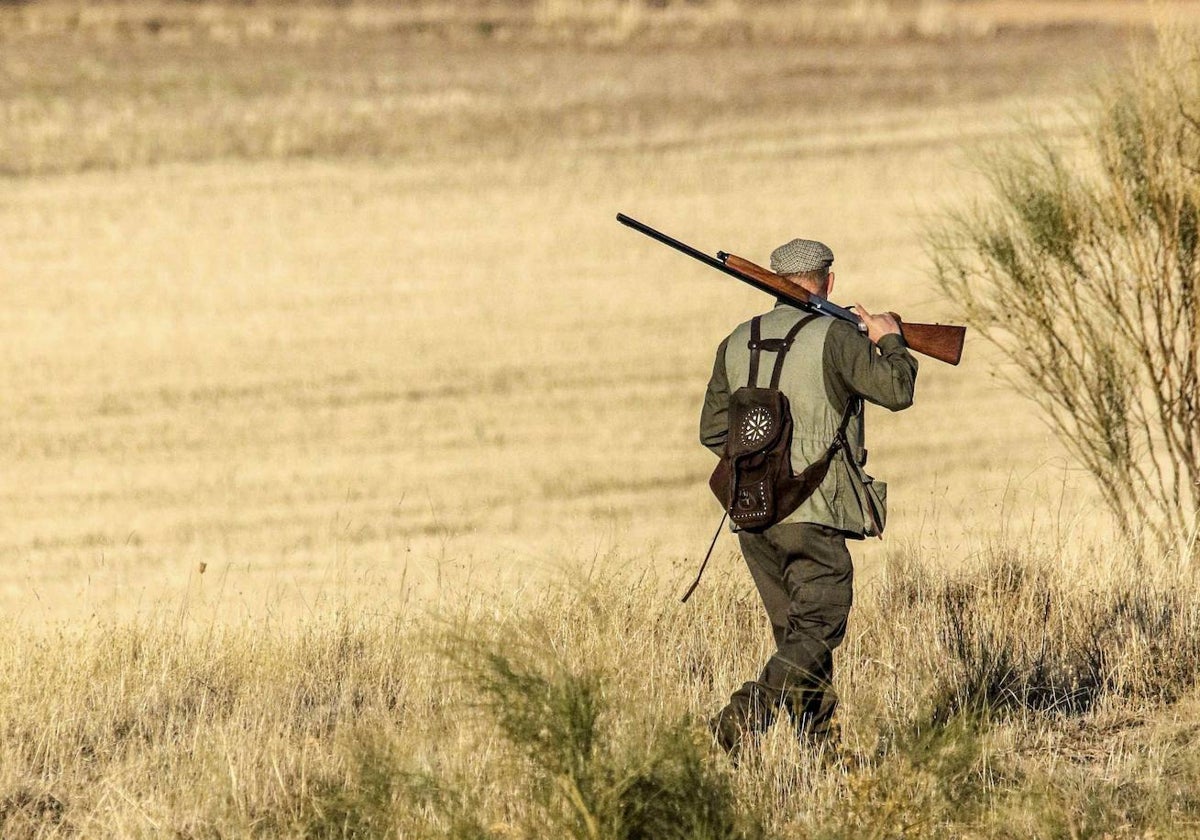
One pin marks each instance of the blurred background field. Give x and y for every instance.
(329, 299)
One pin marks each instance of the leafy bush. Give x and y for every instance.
(1086, 274)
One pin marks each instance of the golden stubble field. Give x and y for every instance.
(290, 323)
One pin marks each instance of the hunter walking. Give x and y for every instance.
(825, 367)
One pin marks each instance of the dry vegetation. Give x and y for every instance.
(330, 380)
(1086, 277)
(1014, 700)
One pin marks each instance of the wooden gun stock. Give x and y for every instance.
(943, 342)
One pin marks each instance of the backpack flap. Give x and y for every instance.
(757, 417)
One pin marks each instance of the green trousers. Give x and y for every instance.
(805, 578)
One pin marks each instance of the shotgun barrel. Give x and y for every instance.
(787, 291)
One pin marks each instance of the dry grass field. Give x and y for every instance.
(321, 345)
(352, 315)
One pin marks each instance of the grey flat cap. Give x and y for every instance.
(801, 255)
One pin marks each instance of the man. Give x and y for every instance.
(801, 565)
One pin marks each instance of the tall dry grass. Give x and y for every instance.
(1027, 697)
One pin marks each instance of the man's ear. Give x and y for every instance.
(829, 285)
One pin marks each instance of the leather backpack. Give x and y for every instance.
(753, 480)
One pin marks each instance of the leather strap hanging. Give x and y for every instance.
(781, 353)
(778, 346)
(704, 564)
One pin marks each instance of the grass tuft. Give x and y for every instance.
(585, 780)
(1018, 637)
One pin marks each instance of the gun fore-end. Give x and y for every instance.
(943, 342)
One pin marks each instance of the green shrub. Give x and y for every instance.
(583, 781)
(1084, 269)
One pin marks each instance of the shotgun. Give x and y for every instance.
(943, 342)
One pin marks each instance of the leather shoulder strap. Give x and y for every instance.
(852, 407)
(755, 346)
(781, 354)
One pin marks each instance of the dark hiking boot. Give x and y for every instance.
(729, 733)
(812, 712)
(750, 711)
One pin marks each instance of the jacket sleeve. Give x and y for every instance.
(886, 376)
(714, 417)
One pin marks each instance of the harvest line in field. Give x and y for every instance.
(943, 342)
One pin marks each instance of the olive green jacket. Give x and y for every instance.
(829, 363)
